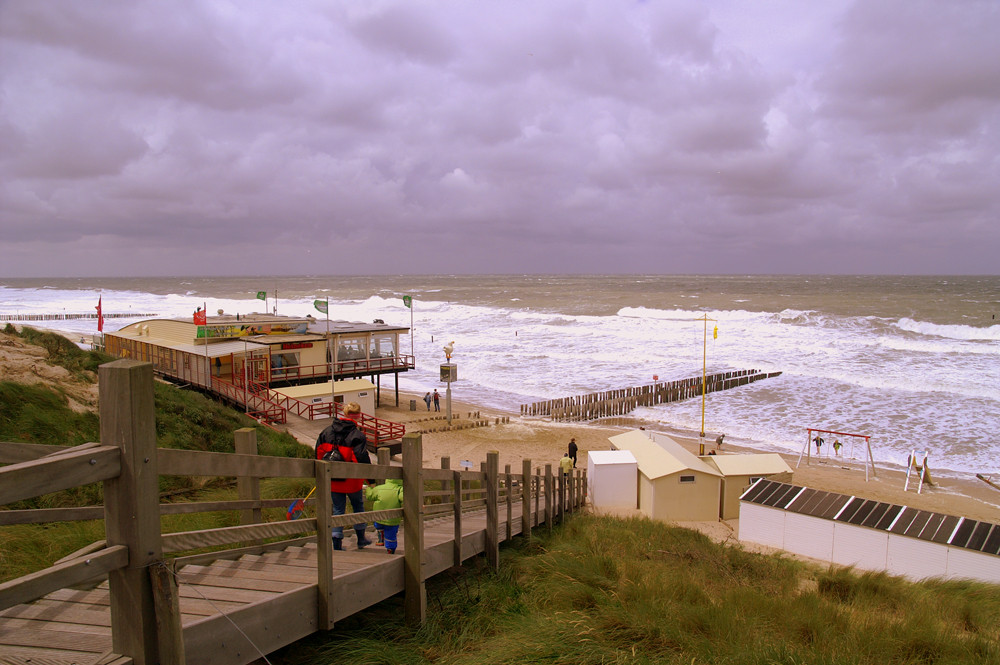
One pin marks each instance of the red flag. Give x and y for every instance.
(200, 317)
(100, 316)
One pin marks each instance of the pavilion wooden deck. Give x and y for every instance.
(231, 607)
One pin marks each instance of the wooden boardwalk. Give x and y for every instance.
(233, 611)
(122, 601)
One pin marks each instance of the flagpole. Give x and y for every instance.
(208, 367)
(329, 353)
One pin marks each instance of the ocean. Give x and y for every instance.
(913, 362)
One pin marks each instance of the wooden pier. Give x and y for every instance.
(147, 597)
(624, 400)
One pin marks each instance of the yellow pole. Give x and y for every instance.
(704, 363)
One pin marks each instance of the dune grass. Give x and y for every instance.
(604, 590)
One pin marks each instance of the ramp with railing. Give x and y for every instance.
(149, 597)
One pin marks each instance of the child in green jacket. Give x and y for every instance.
(387, 496)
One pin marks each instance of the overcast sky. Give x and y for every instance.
(232, 137)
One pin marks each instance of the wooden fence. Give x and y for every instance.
(145, 620)
(624, 400)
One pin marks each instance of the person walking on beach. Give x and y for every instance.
(437, 400)
(572, 450)
(343, 441)
(718, 441)
(566, 464)
(427, 401)
(819, 443)
(837, 446)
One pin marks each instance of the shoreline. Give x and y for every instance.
(544, 442)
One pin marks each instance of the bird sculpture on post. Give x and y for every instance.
(448, 348)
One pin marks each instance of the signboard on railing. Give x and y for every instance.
(250, 329)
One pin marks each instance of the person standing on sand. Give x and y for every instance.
(566, 464)
(437, 400)
(343, 441)
(427, 401)
(572, 450)
(819, 443)
(718, 441)
(836, 447)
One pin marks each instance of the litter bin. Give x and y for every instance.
(413, 405)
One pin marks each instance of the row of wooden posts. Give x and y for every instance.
(145, 617)
(624, 400)
(66, 317)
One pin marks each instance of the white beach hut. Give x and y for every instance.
(613, 479)
(869, 534)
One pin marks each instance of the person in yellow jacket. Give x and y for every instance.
(387, 496)
(566, 464)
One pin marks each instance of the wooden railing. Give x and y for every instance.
(145, 618)
(354, 367)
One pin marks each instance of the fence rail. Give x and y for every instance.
(146, 624)
(621, 401)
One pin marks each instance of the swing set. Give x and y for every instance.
(855, 439)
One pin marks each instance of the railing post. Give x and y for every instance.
(509, 486)
(538, 496)
(170, 631)
(492, 510)
(131, 504)
(383, 456)
(561, 501)
(457, 546)
(324, 548)
(248, 488)
(445, 464)
(548, 497)
(526, 498)
(571, 504)
(415, 602)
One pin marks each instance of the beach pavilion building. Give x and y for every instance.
(241, 358)
(673, 484)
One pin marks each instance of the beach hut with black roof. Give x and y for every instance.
(868, 534)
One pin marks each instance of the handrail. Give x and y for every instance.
(68, 469)
(81, 569)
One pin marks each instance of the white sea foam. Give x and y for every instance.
(908, 383)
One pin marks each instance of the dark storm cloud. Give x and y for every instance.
(221, 137)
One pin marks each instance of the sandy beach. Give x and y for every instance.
(544, 442)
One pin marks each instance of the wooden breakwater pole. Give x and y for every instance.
(621, 401)
(67, 317)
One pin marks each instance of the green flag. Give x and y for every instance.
(322, 305)
(262, 295)
(408, 301)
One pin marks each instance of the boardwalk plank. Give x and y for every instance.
(49, 638)
(246, 581)
(11, 655)
(32, 625)
(50, 610)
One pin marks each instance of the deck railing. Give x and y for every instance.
(145, 616)
(354, 367)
